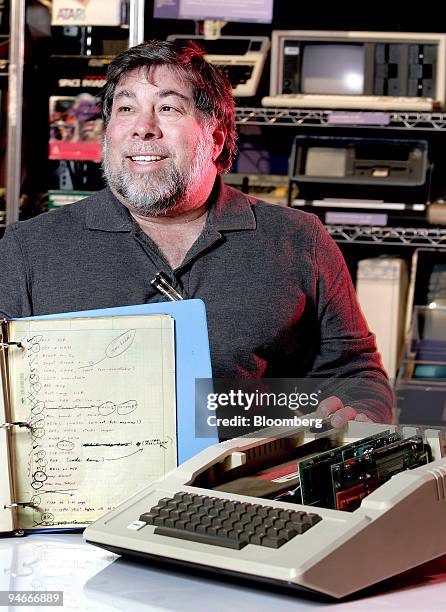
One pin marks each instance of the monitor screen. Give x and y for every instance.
(254, 11)
(332, 69)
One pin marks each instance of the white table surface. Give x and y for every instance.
(93, 579)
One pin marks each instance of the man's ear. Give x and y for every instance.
(219, 136)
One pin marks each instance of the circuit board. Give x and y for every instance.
(358, 476)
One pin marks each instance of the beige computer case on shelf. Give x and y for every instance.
(382, 285)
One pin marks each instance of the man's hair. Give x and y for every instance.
(211, 88)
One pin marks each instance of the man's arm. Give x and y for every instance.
(15, 298)
(347, 349)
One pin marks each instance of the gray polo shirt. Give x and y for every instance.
(279, 299)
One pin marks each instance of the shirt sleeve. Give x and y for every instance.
(15, 297)
(348, 355)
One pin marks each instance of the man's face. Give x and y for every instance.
(159, 150)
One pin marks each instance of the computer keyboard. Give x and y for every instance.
(206, 514)
(238, 74)
(353, 102)
(244, 73)
(242, 58)
(219, 522)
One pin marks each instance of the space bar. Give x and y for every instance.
(202, 538)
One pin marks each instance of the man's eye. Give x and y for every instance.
(168, 109)
(124, 109)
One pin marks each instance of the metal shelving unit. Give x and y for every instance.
(325, 118)
(352, 234)
(398, 236)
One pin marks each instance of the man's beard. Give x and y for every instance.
(156, 192)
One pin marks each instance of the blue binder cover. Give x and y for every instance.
(192, 360)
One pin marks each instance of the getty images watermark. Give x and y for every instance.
(248, 401)
(237, 407)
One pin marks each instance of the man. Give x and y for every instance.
(279, 299)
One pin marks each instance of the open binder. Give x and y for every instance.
(89, 413)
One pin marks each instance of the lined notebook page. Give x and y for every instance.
(100, 396)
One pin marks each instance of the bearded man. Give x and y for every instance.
(279, 299)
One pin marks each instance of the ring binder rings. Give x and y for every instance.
(16, 424)
(19, 505)
(6, 345)
(87, 415)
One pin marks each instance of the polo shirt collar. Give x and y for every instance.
(232, 209)
(106, 213)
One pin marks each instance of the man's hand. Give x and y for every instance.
(340, 414)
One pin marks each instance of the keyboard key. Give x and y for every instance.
(302, 527)
(290, 529)
(188, 527)
(273, 542)
(312, 519)
(296, 517)
(287, 534)
(230, 506)
(272, 532)
(148, 517)
(223, 532)
(181, 524)
(285, 515)
(274, 513)
(203, 538)
(256, 539)
(279, 524)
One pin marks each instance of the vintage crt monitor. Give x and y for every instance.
(357, 70)
(332, 511)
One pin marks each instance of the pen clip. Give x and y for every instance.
(161, 284)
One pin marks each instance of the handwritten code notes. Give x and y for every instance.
(100, 396)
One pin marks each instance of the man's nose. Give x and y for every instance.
(146, 126)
